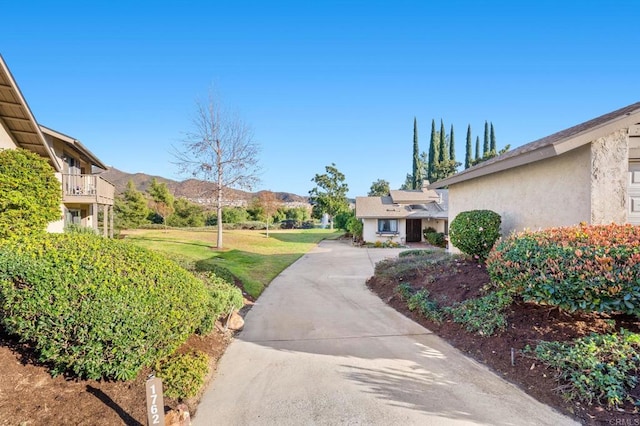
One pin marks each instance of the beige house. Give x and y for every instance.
(84, 192)
(587, 173)
(402, 215)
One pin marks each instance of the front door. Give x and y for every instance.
(414, 230)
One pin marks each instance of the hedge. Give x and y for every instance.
(586, 268)
(95, 307)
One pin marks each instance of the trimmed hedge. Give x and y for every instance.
(586, 268)
(95, 307)
(475, 232)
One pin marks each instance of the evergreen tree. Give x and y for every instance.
(443, 154)
(468, 155)
(417, 167)
(130, 209)
(330, 194)
(477, 148)
(493, 140)
(452, 146)
(433, 152)
(485, 146)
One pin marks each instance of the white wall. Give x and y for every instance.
(5, 140)
(553, 192)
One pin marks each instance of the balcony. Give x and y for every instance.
(87, 189)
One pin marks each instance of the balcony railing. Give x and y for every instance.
(87, 189)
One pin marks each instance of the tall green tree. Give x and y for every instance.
(162, 199)
(443, 150)
(485, 146)
(468, 156)
(186, 213)
(452, 145)
(330, 194)
(417, 165)
(478, 156)
(493, 140)
(433, 152)
(379, 188)
(30, 194)
(130, 208)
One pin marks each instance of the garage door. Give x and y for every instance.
(634, 194)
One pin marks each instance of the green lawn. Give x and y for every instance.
(249, 255)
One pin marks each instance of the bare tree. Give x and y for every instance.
(219, 149)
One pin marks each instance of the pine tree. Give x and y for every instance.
(485, 146)
(452, 146)
(433, 153)
(417, 167)
(443, 153)
(477, 148)
(467, 156)
(493, 140)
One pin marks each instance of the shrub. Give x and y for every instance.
(73, 228)
(30, 194)
(586, 268)
(601, 367)
(355, 227)
(225, 297)
(435, 239)
(404, 290)
(183, 374)
(96, 307)
(417, 252)
(475, 232)
(483, 315)
(429, 308)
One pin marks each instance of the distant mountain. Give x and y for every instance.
(195, 190)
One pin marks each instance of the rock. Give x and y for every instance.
(178, 417)
(235, 321)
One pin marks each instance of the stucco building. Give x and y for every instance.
(402, 215)
(587, 173)
(84, 192)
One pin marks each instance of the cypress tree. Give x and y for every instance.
(467, 154)
(433, 153)
(485, 146)
(443, 154)
(417, 172)
(452, 146)
(477, 147)
(493, 140)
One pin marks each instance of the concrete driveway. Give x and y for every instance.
(319, 348)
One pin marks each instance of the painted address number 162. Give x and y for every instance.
(155, 402)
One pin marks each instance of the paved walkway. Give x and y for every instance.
(319, 348)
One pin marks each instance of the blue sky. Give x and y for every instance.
(319, 82)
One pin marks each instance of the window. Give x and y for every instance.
(388, 226)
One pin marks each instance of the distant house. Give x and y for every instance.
(402, 215)
(587, 173)
(84, 192)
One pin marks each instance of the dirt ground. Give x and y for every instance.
(527, 324)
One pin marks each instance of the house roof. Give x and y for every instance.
(550, 146)
(18, 120)
(388, 208)
(76, 145)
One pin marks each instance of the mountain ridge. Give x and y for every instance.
(195, 190)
